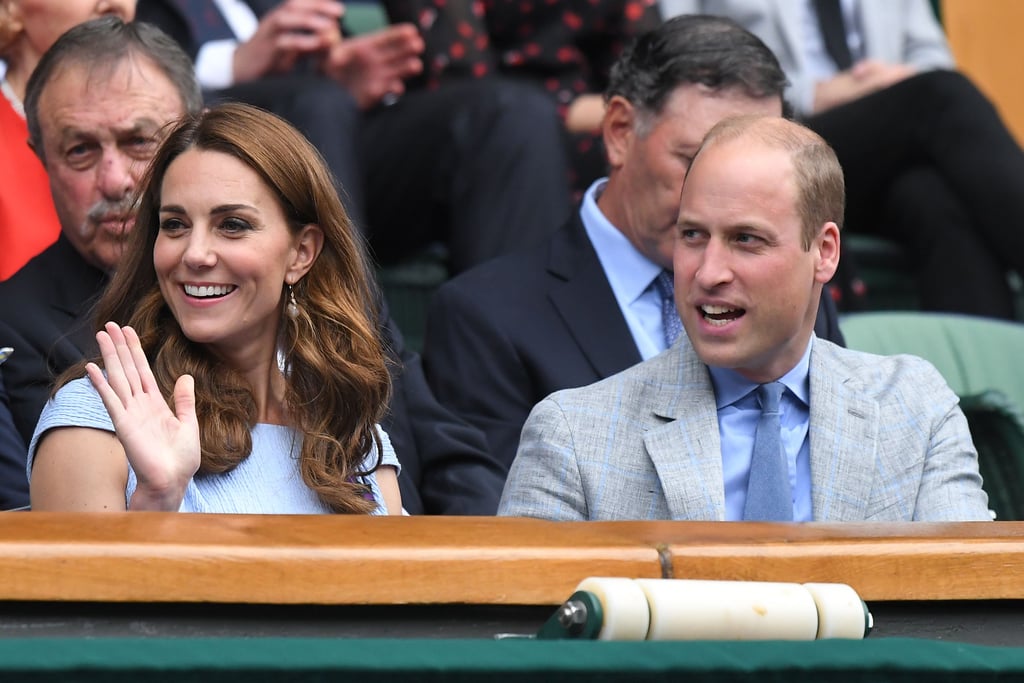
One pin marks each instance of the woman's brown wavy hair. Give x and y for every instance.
(337, 383)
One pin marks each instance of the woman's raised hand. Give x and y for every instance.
(162, 445)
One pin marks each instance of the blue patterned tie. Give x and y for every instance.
(670, 322)
(769, 496)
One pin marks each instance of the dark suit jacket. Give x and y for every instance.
(504, 335)
(171, 21)
(13, 489)
(446, 468)
(169, 17)
(44, 316)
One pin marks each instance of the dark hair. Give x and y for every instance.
(694, 48)
(104, 43)
(337, 384)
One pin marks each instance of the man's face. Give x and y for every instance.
(648, 170)
(100, 128)
(746, 289)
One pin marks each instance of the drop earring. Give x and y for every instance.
(292, 309)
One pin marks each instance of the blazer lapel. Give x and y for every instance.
(844, 437)
(686, 450)
(585, 301)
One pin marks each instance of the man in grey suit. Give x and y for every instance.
(586, 303)
(860, 437)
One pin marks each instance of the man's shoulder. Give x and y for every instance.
(875, 373)
(32, 282)
(518, 278)
(57, 277)
(493, 279)
(653, 374)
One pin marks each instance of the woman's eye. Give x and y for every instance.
(234, 225)
(172, 225)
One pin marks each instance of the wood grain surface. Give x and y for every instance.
(338, 560)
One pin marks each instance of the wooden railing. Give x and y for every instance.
(336, 560)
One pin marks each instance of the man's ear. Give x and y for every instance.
(308, 244)
(827, 244)
(618, 129)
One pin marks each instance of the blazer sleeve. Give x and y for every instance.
(27, 377)
(545, 480)
(950, 488)
(474, 369)
(925, 44)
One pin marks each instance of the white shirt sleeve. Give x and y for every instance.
(215, 64)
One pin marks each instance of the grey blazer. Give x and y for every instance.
(888, 442)
(894, 31)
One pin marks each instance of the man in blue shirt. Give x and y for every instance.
(587, 304)
(751, 416)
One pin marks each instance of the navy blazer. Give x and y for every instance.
(13, 486)
(508, 333)
(44, 316)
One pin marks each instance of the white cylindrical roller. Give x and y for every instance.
(626, 615)
(841, 612)
(684, 609)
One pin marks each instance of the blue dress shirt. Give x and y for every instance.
(630, 274)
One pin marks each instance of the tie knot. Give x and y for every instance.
(768, 396)
(665, 285)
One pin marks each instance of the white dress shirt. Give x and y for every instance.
(215, 61)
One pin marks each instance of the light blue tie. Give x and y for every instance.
(670, 322)
(769, 495)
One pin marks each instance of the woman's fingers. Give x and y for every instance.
(139, 361)
(128, 370)
(124, 354)
(111, 400)
(112, 362)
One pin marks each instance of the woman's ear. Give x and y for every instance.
(308, 244)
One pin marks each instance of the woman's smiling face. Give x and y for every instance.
(224, 253)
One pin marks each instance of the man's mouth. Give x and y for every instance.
(116, 225)
(720, 315)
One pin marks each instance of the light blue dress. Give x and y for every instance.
(267, 482)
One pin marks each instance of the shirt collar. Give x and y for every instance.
(730, 386)
(629, 272)
(8, 93)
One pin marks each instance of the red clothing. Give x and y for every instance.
(566, 46)
(28, 220)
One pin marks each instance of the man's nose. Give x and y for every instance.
(115, 177)
(715, 267)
